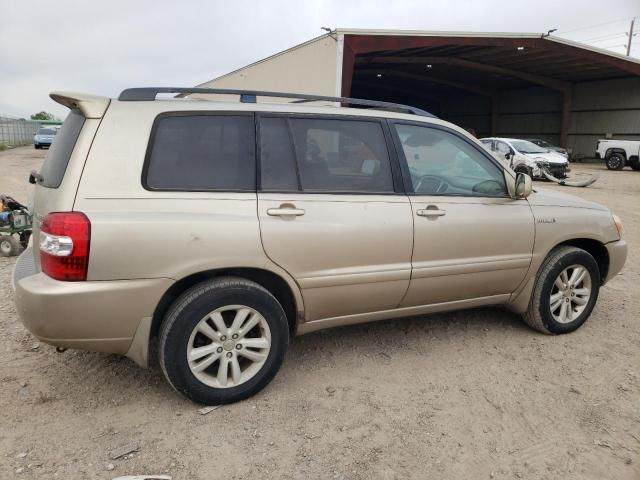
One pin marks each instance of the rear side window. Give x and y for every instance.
(199, 152)
(324, 155)
(55, 165)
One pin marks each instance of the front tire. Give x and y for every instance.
(635, 163)
(565, 292)
(223, 340)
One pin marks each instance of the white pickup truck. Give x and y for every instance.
(619, 153)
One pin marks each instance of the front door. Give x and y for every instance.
(331, 213)
(471, 239)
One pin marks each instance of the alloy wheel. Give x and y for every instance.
(570, 294)
(229, 346)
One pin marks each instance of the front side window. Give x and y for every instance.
(442, 163)
(330, 155)
(202, 152)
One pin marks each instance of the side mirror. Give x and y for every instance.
(507, 156)
(523, 185)
(35, 177)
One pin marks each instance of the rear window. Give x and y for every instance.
(47, 131)
(55, 165)
(199, 152)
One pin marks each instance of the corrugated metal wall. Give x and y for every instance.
(468, 111)
(530, 112)
(14, 131)
(599, 108)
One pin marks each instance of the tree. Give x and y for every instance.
(43, 116)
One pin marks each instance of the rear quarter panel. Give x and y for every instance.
(137, 233)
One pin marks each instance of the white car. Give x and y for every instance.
(526, 157)
(44, 137)
(619, 153)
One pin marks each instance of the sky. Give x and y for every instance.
(102, 47)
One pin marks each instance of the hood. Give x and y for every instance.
(551, 157)
(558, 149)
(552, 198)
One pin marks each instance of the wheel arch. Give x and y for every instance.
(520, 300)
(278, 286)
(595, 248)
(615, 150)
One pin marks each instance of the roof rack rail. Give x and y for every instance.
(249, 96)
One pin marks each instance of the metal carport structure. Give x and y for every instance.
(508, 84)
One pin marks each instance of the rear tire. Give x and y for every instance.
(9, 246)
(562, 304)
(635, 163)
(238, 359)
(615, 161)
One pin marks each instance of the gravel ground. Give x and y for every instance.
(472, 394)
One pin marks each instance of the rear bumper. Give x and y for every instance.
(99, 316)
(617, 256)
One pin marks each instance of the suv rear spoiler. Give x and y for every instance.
(91, 106)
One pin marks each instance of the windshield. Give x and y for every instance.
(527, 147)
(47, 131)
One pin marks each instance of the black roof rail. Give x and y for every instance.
(249, 96)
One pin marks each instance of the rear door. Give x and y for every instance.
(471, 239)
(332, 212)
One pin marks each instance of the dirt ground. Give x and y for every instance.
(474, 394)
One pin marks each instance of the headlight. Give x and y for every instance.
(618, 222)
(540, 163)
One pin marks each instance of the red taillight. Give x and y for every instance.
(64, 245)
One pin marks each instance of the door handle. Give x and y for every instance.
(283, 211)
(431, 212)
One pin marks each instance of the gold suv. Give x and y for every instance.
(210, 232)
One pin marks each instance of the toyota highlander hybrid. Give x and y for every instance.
(205, 234)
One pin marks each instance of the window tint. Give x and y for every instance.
(278, 161)
(202, 152)
(341, 155)
(443, 163)
(55, 165)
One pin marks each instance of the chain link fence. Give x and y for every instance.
(16, 131)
